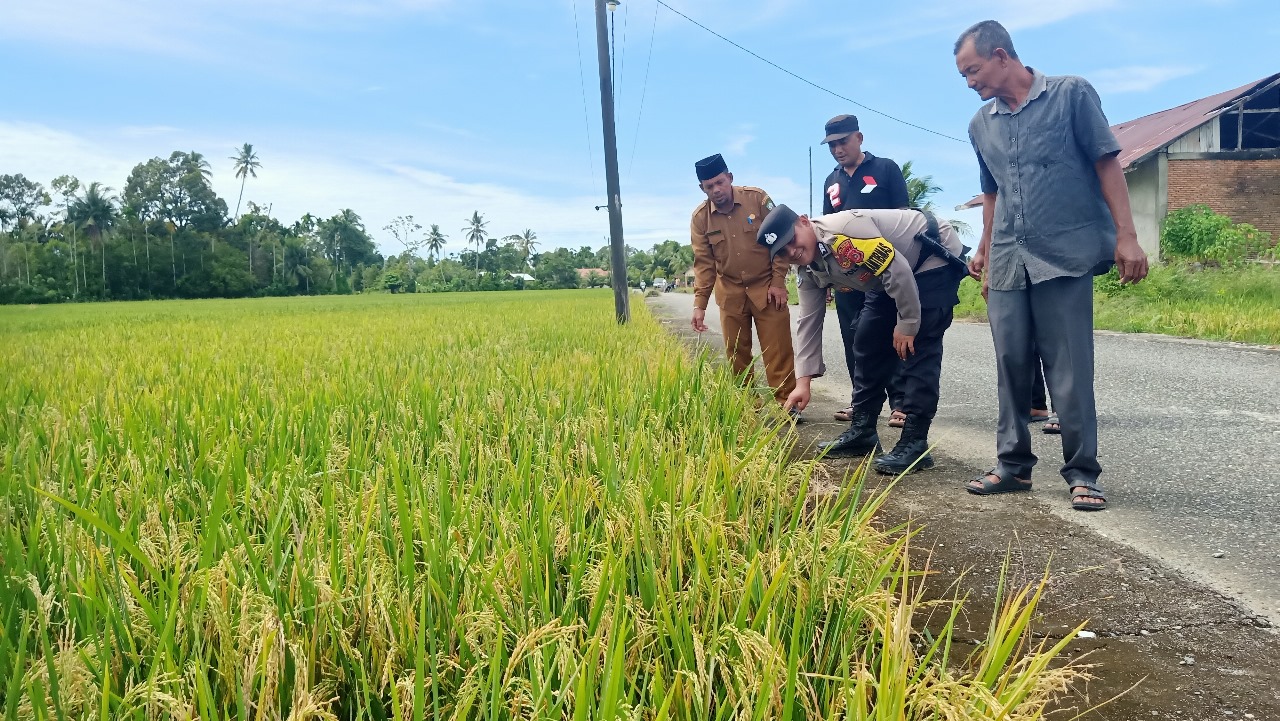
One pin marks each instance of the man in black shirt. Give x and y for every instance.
(860, 181)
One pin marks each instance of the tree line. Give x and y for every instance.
(167, 234)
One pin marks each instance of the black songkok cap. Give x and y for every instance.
(709, 168)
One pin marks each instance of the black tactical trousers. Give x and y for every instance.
(848, 310)
(875, 360)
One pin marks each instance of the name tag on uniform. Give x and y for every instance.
(714, 232)
(873, 254)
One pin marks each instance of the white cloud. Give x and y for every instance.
(737, 144)
(949, 19)
(308, 176)
(199, 29)
(1137, 78)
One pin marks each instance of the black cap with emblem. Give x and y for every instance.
(840, 127)
(778, 229)
(710, 167)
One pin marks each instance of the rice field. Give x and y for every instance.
(494, 506)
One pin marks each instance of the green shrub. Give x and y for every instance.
(1240, 241)
(1196, 232)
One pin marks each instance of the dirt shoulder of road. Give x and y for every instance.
(1175, 649)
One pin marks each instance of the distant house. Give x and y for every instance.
(585, 275)
(1222, 151)
(521, 276)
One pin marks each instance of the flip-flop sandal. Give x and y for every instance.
(1052, 426)
(1006, 484)
(1080, 493)
(897, 419)
(1039, 419)
(844, 414)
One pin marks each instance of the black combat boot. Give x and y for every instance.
(860, 439)
(912, 448)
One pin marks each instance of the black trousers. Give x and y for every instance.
(876, 362)
(848, 311)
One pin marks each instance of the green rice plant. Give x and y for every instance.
(448, 507)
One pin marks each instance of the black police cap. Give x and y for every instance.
(710, 167)
(840, 127)
(778, 229)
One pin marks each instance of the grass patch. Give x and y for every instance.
(442, 506)
(1238, 303)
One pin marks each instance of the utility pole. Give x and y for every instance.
(618, 257)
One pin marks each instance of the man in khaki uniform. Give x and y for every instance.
(750, 285)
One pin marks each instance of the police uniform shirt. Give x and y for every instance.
(867, 250)
(726, 255)
(875, 183)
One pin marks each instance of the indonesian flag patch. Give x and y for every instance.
(870, 183)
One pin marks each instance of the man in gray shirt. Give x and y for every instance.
(1055, 212)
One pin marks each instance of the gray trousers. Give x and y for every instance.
(1056, 318)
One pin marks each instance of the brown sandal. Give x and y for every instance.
(897, 419)
(844, 414)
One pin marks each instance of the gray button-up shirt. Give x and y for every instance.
(864, 250)
(1050, 217)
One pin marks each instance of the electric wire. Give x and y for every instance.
(644, 88)
(622, 51)
(810, 82)
(582, 83)
(613, 60)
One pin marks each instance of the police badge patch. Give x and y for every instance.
(768, 204)
(846, 253)
(873, 254)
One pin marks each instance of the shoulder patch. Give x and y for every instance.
(767, 204)
(872, 254)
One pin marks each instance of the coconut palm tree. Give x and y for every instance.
(527, 242)
(435, 242)
(195, 162)
(920, 192)
(246, 164)
(95, 212)
(920, 188)
(477, 233)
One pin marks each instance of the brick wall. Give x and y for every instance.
(1246, 190)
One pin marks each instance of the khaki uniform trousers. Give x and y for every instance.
(740, 307)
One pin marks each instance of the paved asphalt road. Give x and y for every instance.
(1189, 437)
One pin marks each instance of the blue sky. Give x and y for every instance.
(436, 108)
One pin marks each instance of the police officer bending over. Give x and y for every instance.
(908, 263)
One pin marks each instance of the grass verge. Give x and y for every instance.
(1238, 303)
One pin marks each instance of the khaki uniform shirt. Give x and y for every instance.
(727, 257)
(864, 250)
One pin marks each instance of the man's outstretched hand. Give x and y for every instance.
(800, 397)
(699, 320)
